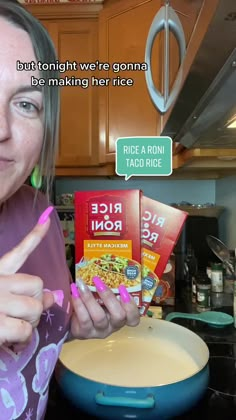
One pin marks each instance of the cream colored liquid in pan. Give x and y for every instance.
(133, 363)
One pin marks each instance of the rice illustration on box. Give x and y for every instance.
(160, 229)
(107, 239)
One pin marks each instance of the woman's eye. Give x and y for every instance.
(28, 106)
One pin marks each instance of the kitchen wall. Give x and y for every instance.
(226, 196)
(166, 191)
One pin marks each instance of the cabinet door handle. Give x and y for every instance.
(166, 19)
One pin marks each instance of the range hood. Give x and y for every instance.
(207, 100)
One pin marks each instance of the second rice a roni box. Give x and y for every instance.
(107, 239)
(161, 227)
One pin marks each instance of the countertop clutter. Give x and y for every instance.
(219, 402)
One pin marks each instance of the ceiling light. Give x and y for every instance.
(232, 123)
(226, 157)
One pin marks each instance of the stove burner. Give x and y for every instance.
(223, 375)
(220, 406)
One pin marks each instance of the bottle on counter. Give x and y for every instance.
(217, 300)
(208, 269)
(217, 283)
(229, 277)
(203, 298)
(192, 267)
(194, 289)
(234, 306)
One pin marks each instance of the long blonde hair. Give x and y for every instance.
(45, 52)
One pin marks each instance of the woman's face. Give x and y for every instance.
(21, 110)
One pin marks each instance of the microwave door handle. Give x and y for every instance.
(158, 24)
(177, 30)
(166, 54)
(166, 19)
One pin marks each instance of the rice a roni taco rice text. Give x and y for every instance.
(108, 244)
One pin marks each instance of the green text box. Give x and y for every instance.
(143, 156)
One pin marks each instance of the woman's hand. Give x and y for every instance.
(22, 299)
(91, 320)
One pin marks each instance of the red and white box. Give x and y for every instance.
(161, 227)
(108, 239)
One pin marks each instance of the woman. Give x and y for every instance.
(37, 312)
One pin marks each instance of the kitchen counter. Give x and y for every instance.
(184, 304)
(222, 345)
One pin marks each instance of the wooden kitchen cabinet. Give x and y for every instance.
(127, 111)
(78, 135)
(115, 31)
(195, 16)
(123, 31)
(188, 13)
(74, 31)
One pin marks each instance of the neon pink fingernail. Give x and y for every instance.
(45, 215)
(74, 290)
(124, 295)
(100, 286)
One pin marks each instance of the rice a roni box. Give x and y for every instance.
(161, 226)
(107, 239)
(165, 291)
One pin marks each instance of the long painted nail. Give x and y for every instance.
(81, 285)
(124, 295)
(45, 215)
(74, 290)
(100, 286)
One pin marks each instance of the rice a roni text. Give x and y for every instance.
(160, 229)
(108, 243)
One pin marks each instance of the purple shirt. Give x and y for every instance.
(24, 377)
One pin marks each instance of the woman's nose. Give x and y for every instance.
(4, 124)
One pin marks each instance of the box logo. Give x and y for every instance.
(153, 229)
(106, 216)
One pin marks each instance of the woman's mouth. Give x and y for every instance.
(5, 163)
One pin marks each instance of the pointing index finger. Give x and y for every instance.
(14, 259)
